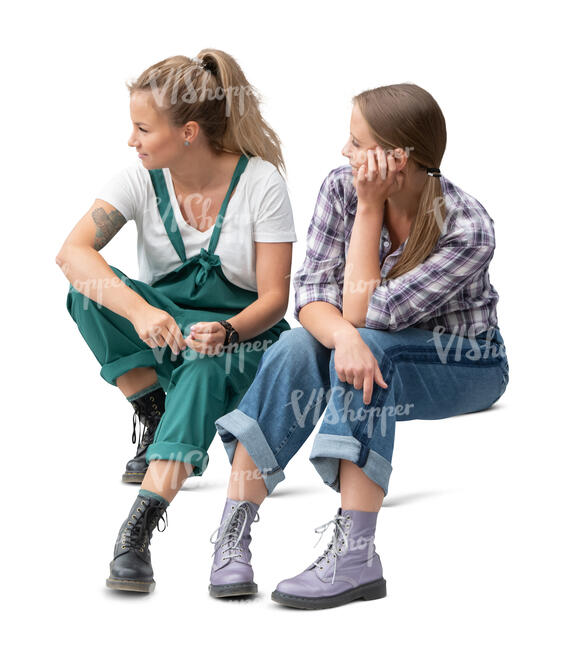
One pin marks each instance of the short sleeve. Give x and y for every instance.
(274, 221)
(123, 191)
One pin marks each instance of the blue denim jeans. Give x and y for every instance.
(429, 376)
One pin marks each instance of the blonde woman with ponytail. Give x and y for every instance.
(215, 233)
(399, 322)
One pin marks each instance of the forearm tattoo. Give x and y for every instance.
(107, 226)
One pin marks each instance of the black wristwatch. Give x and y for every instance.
(231, 334)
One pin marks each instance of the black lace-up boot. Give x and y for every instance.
(131, 569)
(149, 410)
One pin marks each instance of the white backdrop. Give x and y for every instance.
(471, 534)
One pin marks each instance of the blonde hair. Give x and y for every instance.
(212, 91)
(406, 116)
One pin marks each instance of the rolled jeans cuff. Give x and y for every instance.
(327, 451)
(237, 426)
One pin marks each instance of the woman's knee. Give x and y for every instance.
(297, 344)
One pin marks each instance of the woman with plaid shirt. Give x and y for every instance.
(399, 323)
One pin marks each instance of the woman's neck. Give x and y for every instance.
(202, 170)
(401, 207)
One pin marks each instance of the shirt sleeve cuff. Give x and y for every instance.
(378, 315)
(332, 300)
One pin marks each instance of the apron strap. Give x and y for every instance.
(166, 212)
(239, 169)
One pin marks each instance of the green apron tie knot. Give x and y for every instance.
(207, 261)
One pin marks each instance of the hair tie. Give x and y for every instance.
(433, 171)
(210, 66)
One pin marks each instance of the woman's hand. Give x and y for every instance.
(378, 177)
(206, 337)
(157, 328)
(356, 365)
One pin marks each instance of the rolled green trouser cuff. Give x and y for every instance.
(181, 453)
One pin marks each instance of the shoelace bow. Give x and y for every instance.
(340, 523)
(135, 532)
(230, 532)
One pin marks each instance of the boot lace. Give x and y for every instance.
(339, 539)
(138, 529)
(230, 532)
(148, 424)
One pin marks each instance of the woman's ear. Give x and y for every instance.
(401, 159)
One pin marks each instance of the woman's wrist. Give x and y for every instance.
(371, 210)
(344, 332)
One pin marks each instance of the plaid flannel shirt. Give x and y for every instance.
(450, 288)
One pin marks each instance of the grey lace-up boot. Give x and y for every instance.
(348, 569)
(131, 568)
(232, 573)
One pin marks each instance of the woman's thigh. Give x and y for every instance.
(429, 377)
(441, 375)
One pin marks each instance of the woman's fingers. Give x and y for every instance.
(169, 340)
(368, 388)
(382, 162)
(178, 337)
(379, 378)
(371, 165)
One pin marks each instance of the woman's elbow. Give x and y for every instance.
(60, 257)
(355, 317)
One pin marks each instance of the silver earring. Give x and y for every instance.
(186, 143)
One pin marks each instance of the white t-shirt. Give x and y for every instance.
(258, 211)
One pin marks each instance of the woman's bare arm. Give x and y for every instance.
(325, 322)
(273, 261)
(85, 267)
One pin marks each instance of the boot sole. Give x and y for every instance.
(237, 589)
(369, 591)
(131, 585)
(133, 477)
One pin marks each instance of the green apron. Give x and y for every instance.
(199, 389)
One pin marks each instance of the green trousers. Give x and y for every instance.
(199, 389)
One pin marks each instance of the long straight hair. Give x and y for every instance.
(406, 116)
(212, 90)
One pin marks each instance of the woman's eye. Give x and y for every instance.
(355, 144)
(143, 130)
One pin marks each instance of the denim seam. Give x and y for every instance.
(293, 428)
(406, 353)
